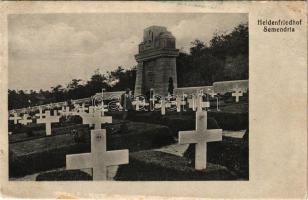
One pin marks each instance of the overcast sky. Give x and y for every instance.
(50, 49)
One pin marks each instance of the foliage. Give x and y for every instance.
(223, 58)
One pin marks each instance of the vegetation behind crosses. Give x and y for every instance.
(223, 58)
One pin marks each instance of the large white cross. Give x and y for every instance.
(15, 118)
(201, 136)
(48, 120)
(237, 94)
(99, 158)
(25, 120)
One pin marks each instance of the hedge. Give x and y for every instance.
(231, 152)
(65, 175)
(49, 152)
(35, 134)
(230, 121)
(151, 166)
(160, 166)
(186, 120)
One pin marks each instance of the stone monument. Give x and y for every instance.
(156, 62)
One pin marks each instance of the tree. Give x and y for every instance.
(58, 93)
(96, 83)
(121, 79)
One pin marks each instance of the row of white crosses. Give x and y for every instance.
(195, 103)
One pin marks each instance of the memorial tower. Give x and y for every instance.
(156, 61)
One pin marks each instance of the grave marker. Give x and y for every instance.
(237, 94)
(15, 118)
(163, 107)
(136, 103)
(83, 108)
(201, 136)
(192, 103)
(99, 158)
(95, 118)
(25, 120)
(41, 114)
(48, 120)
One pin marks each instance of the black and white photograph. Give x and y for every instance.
(153, 100)
(128, 97)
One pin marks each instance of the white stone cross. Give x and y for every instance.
(163, 107)
(83, 108)
(76, 108)
(237, 94)
(41, 114)
(48, 120)
(91, 110)
(191, 103)
(140, 105)
(25, 120)
(180, 102)
(201, 136)
(212, 94)
(95, 119)
(137, 103)
(205, 104)
(66, 111)
(15, 118)
(99, 158)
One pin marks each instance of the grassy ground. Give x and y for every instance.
(228, 160)
(151, 166)
(231, 152)
(46, 153)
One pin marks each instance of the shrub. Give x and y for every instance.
(231, 152)
(50, 152)
(160, 166)
(230, 121)
(64, 175)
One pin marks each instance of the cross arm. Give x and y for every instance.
(187, 137)
(116, 157)
(214, 135)
(106, 119)
(79, 161)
